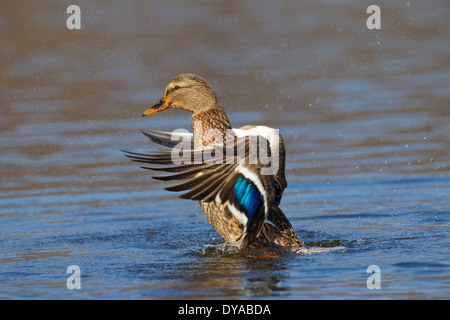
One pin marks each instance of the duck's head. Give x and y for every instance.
(189, 92)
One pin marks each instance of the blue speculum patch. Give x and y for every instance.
(247, 196)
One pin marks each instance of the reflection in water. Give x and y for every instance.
(363, 113)
(242, 278)
(220, 274)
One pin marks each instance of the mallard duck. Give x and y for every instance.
(239, 196)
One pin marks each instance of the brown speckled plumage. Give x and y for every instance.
(210, 127)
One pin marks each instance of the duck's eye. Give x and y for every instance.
(176, 87)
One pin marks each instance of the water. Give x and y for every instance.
(364, 114)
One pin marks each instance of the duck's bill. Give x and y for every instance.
(160, 106)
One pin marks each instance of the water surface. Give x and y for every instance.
(364, 115)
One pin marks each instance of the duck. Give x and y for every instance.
(236, 174)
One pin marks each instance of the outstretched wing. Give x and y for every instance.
(168, 139)
(231, 175)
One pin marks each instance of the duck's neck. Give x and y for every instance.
(210, 127)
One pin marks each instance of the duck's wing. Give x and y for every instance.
(184, 139)
(169, 139)
(278, 155)
(234, 175)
